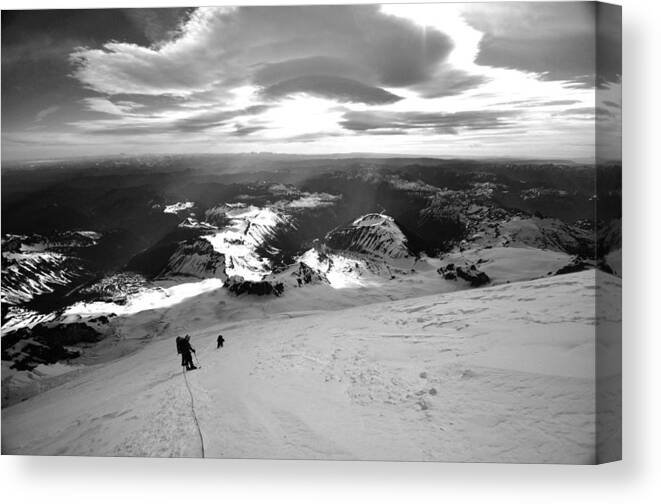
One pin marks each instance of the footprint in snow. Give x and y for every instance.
(468, 374)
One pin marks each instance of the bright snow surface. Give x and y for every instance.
(148, 299)
(504, 373)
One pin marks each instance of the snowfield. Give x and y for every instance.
(502, 374)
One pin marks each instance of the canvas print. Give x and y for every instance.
(340, 232)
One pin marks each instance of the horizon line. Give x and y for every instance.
(358, 155)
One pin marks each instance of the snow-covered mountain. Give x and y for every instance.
(36, 264)
(370, 249)
(373, 245)
(532, 232)
(29, 274)
(196, 258)
(300, 274)
(249, 228)
(375, 235)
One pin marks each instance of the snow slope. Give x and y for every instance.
(504, 264)
(497, 374)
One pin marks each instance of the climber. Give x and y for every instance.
(184, 348)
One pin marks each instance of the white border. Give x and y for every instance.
(69, 480)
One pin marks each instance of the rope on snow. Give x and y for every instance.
(192, 407)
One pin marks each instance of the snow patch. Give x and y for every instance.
(178, 207)
(193, 223)
(150, 299)
(313, 200)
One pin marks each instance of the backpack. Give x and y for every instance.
(180, 341)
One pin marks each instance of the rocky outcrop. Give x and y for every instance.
(448, 272)
(48, 343)
(469, 273)
(114, 288)
(472, 275)
(237, 285)
(304, 275)
(577, 264)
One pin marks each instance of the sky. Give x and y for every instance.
(510, 79)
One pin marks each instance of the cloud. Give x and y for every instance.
(105, 106)
(437, 122)
(137, 130)
(159, 25)
(216, 118)
(338, 88)
(42, 114)
(560, 102)
(136, 124)
(328, 78)
(285, 47)
(272, 73)
(450, 81)
(555, 39)
(246, 130)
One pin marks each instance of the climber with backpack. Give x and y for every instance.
(184, 348)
